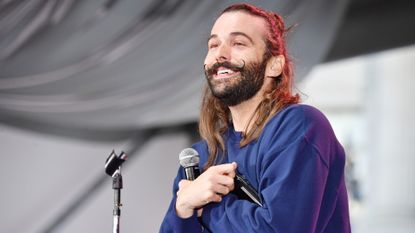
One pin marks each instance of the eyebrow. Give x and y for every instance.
(232, 34)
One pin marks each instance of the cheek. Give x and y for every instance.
(236, 56)
(247, 55)
(209, 59)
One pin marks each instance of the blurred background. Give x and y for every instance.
(81, 78)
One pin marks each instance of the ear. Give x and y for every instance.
(275, 66)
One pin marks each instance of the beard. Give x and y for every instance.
(235, 90)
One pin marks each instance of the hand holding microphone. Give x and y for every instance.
(198, 191)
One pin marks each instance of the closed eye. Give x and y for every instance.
(213, 45)
(239, 44)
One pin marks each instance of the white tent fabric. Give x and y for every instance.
(100, 67)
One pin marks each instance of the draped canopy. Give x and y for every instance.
(101, 69)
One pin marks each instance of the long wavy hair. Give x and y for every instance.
(215, 117)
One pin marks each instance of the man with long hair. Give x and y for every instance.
(251, 124)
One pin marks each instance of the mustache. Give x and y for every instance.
(214, 68)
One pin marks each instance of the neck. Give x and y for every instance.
(244, 112)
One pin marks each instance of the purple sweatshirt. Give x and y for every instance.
(297, 167)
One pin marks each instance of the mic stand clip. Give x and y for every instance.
(113, 169)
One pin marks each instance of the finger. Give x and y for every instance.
(235, 164)
(225, 168)
(231, 174)
(183, 183)
(221, 189)
(217, 198)
(214, 198)
(231, 187)
(224, 180)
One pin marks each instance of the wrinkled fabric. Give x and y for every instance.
(109, 67)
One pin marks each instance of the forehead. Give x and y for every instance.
(239, 21)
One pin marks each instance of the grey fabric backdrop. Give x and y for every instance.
(106, 68)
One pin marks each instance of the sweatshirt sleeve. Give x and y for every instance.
(292, 187)
(172, 223)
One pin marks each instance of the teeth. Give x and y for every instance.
(225, 71)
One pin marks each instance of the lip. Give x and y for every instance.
(225, 76)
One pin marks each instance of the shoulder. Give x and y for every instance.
(297, 119)
(313, 122)
(298, 122)
(300, 113)
(305, 124)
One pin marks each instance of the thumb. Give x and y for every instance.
(226, 168)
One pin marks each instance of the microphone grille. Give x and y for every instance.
(189, 157)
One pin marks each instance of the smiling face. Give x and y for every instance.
(235, 65)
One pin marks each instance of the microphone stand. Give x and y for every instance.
(113, 169)
(117, 186)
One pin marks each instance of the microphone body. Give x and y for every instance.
(192, 172)
(189, 160)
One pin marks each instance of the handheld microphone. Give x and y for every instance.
(189, 160)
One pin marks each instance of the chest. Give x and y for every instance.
(248, 159)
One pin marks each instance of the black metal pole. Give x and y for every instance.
(117, 186)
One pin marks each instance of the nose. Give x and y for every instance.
(223, 53)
